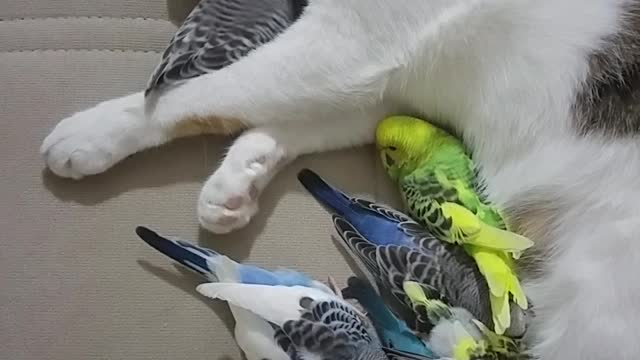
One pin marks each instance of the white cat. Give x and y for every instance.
(541, 90)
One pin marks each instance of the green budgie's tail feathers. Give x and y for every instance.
(467, 228)
(518, 294)
(501, 306)
(501, 313)
(503, 284)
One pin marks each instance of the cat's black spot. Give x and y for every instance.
(608, 102)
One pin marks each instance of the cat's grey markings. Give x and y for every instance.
(609, 102)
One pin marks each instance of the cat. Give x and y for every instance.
(542, 91)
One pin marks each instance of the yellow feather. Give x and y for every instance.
(503, 283)
(493, 268)
(414, 291)
(463, 348)
(478, 233)
(518, 294)
(501, 313)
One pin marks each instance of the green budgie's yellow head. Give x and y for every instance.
(404, 141)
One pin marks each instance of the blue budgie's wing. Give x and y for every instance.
(330, 330)
(191, 256)
(392, 331)
(392, 265)
(359, 246)
(389, 264)
(307, 321)
(285, 343)
(218, 33)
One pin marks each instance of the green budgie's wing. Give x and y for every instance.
(423, 195)
(441, 196)
(448, 176)
(451, 176)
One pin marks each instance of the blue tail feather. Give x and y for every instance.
(360, 290)
(393, 332)
(193, 257)
(203, 261)
(376, 223)
(329, 197)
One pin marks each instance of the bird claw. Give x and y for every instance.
(331, 282)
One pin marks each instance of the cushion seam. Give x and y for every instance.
(79, 50)
(96, 17)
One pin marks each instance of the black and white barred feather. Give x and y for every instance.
(218, 33)
(329, 330)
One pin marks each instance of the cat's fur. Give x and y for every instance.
(543, 92)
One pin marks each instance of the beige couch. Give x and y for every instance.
(75, 282)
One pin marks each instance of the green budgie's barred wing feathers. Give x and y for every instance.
(451, 210)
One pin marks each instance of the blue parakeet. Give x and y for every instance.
(395, 248)
(309, 323)
(392, 331)
(262, 337)
(254, 336)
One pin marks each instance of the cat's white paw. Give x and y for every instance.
(229, 198)
(91, 141)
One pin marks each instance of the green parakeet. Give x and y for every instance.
(457, 334)
(440, 186)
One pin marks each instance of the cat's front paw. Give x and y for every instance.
(91, 141)
(229, 198)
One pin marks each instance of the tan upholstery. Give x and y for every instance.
(75, 282)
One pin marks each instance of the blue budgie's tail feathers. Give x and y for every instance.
(195, 258)
(395, 354)
(329, 197)
(392, 331)
(220, 268)
(372, 303)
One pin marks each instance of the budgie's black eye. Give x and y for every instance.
(393, 148)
